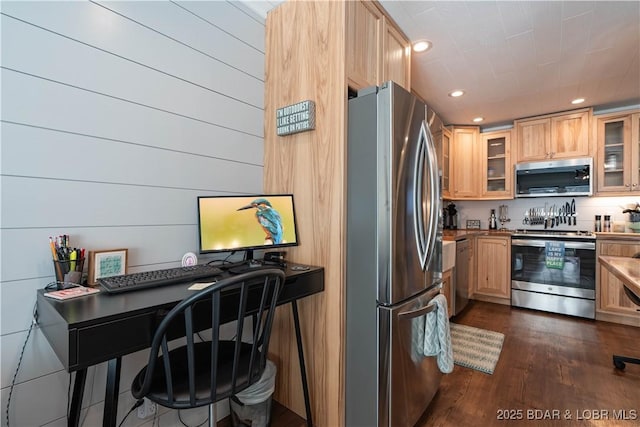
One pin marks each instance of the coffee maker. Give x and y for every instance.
(450, 217)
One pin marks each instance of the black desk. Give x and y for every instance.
(104, 327)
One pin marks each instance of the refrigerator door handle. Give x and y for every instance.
(434, 184)
(422, 240)
(417, 313)
(426, 241)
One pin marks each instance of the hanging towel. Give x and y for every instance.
(437, 336)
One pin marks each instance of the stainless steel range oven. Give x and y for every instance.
(554, 271)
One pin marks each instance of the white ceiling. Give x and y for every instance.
(517, 59)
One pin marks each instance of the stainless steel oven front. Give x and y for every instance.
(554, 273)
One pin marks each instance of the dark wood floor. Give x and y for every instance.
(549, 362)
(550, 366)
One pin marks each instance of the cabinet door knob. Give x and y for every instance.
(626, 185)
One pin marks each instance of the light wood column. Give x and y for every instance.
(305, 51)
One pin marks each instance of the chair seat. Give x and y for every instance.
(190, 382)
(202, 357)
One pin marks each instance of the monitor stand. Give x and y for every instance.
(248, 255)
(249, 263)
(245, 265)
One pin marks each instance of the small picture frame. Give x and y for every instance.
(473, 224)
(106, 263)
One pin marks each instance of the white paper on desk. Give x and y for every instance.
(200, 286)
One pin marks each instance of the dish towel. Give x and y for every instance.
(437, 335)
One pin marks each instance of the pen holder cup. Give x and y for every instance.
(69, 271)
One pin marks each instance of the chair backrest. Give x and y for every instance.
(253, 293)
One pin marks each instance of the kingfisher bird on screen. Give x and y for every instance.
(269, 220)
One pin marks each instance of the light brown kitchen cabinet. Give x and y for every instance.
(612, 304)
(497, 165)
(364, 49)
(493, 263)
(376, 50)
(617, 138)
(533, 138)
(397, 61)
(447, 290)
(446, 163)
(554, 136)
(465, 162)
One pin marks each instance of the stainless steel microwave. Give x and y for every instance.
(566, 177)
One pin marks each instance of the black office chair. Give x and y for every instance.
(203, 373)
(619, 361)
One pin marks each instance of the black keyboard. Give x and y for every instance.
(155, 278)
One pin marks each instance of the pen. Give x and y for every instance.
(53, 249)
(59, 275)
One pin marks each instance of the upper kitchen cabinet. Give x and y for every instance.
(570, 135)
(553, 136)
(364, 44)
(442, 140)
(464, 163)
(397, 52)
(497, 166)
(617, 136)
(445, 160)
(533, 139)
(476, 166)
(376, 50)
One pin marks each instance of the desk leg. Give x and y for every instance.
(303, 370)
(111, 393)
(76, 399)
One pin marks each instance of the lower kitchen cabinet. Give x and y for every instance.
(612, 304)
(493, 260)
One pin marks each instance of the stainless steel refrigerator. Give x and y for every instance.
(394, 261)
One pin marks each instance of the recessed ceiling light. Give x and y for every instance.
(422, 46)
(478, 119)
(578, 101)
(456, 93)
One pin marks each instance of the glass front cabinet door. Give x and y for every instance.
(497, 165)
(618, 161)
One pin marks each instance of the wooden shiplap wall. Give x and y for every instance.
(304, 65)
(115, 117)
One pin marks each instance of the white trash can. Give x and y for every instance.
(254, 407)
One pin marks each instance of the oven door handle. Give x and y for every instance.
(541, 244)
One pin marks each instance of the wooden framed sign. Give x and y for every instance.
(296, 118)
(106, 263)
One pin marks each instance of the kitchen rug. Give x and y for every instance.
(475, 348)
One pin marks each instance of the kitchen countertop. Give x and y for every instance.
(626, 269)
(610, 235)
(461, 234)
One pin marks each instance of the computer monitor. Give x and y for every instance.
(246, 223)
